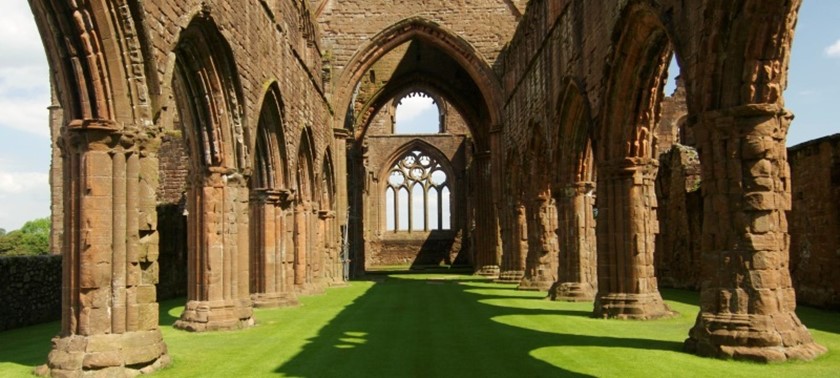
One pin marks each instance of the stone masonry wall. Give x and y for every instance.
(30, 289)
(268, 40)
(486, 24)
(815, 220)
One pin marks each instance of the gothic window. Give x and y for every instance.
(417, 194)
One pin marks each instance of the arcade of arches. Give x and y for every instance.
(256, 139)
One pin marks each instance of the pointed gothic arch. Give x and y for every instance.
(208, 98)
(308, 258)
(623, 144)
(456, 47)
(271, 265)
(573, 191)
(104, 139)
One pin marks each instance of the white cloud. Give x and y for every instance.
(412, 107)
(833, 51)
(21, 182)
(24, 72)
(20, 41)
(24, 196)
(29, 115)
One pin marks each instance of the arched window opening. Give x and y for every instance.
(423, 187)
(402, 210)
(434, 209)
(417, 113)
(445, 209)
(390, 209)
(418, 208)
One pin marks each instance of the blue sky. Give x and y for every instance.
(813, 92)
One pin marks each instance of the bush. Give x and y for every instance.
(32, 239)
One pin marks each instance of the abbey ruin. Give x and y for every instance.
(257, 140)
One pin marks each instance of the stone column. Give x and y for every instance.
(301, 253)
(626, 232)
(332, 267)
(486, 258)
(109, 309)
(541, 263)
(747, 302)
(218, 295)
(270, 286)
(56, 175)
(516, 234)
(342, 200)
(576, 277)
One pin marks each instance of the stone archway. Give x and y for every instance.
(109, 222)
(308, 259)
(737, 113)
(624, 153)
(207, 95)
(476, 104)
(573, 190)
(272, 260)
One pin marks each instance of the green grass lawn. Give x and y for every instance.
(434, 325)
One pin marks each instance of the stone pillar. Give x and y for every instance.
(218, 295)
(515, 243)
(301, 253)
(626, 232)
(541, 263)
(56, 176)
(486, 257)
(747, 303)
(342, 200)
(270, 286)
(576, 277)
(109, 310)
(333, 270)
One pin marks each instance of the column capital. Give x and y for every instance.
(342, 133)
(281, 197)
(744, 120)
(571, 189)
(627, 167)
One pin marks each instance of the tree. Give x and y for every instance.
(32, 239)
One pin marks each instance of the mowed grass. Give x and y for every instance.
(434, 325)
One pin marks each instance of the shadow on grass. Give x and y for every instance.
(167, 315)
(822, 320)
(28, 346)
(415, 328)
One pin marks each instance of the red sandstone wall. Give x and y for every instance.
(815, 220)
(267, 39)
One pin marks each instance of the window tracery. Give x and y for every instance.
(417, 194)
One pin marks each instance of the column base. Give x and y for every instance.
(631, 306)
(113, 355)
(270, 300)
(311, 288)
(762, 338)
(535, 284)
(201, 316)
(510, 276)
(571, 292)
(491, 271)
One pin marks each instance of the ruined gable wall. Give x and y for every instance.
(814, 221)
(348, 24)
